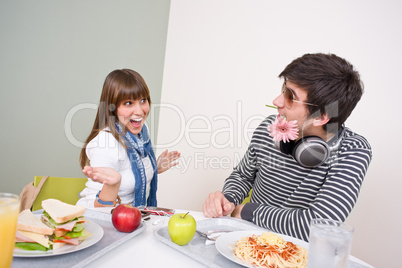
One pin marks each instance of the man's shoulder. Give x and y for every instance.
(354, 140)
(266, 122)
(261, 137)
(261, 132)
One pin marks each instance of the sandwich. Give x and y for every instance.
(32, 234)
(66, 220)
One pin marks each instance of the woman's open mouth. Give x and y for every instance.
(136, 122)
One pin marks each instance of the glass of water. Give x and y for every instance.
(330, 244)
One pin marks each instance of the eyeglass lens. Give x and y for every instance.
(288, 96)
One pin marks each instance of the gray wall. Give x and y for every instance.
(54, 57)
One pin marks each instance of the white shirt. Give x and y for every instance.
(105, 151)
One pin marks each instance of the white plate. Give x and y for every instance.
(93, 228)
(226, 243)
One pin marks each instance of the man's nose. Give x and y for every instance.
(279, 101)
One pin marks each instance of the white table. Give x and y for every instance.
(145, 250)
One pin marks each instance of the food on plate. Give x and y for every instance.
(270, 250)
(182, 228)
(66, 220)
(126, 218)
(32, 234)
(157, 211)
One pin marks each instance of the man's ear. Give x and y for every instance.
(321, 120)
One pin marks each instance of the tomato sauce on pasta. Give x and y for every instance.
(271, 251)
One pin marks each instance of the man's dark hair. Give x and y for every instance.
(331, 83)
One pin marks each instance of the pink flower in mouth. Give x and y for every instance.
(282, 130)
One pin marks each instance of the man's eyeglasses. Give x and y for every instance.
(289, 98)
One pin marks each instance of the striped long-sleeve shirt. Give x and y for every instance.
(286, 196)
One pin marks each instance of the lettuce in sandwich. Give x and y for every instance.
(66, 220)
(31, 233)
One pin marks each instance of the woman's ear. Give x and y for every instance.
(321, 120)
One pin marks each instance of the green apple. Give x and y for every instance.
(182, 228)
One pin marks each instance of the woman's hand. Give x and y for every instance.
(104, 175)
(166, 160)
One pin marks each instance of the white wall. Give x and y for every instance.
(222, 62)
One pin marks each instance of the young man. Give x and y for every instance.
(320, 91)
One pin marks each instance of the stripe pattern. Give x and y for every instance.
(286, 196)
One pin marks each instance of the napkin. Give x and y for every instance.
(214, 235)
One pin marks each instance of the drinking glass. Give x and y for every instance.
(330, 244)
(9, 209)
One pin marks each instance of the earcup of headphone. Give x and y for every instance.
(311, 151)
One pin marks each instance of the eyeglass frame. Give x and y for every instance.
(284, 88)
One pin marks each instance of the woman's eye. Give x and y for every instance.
(143, 100)
(127, 103)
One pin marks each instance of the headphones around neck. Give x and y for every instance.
(311, 151)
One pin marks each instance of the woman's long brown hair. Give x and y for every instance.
(119, 86)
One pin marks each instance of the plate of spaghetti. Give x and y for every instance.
(263, 249)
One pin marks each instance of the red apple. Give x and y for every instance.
(126, 218)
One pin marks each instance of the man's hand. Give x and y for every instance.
(237, 211)
(216, 205)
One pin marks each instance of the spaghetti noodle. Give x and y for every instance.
(271, 251)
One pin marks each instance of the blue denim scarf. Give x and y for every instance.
(138, 147)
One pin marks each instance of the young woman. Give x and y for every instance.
(117, 156)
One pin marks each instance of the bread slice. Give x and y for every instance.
(62, 212)
(28, 222)
(58, 245)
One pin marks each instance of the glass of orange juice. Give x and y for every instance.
(9, 209)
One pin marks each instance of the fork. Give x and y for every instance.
(205, 235)
(208, 236)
